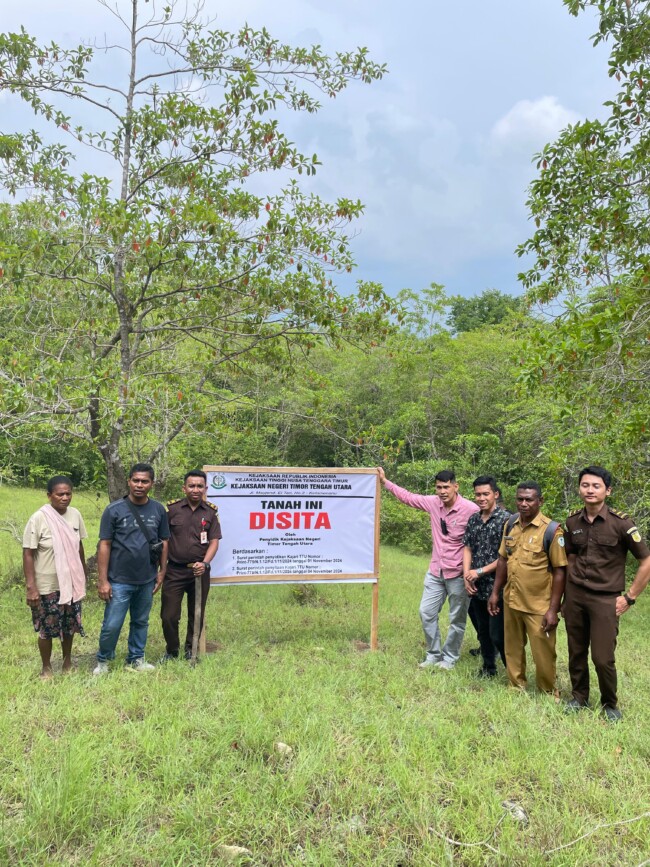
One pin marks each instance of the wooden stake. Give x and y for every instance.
(198, 590)
(374, 617)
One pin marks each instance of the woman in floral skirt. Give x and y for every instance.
(55, 572)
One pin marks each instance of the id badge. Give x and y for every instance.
(204, 537)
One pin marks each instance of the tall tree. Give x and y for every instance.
(491, 307)
(592, 252)
(141, 259)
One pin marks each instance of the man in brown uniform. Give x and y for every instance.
(534, 568)
(194, 539)
(597, 541)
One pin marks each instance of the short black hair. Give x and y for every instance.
(58, 480)
(486, 480)
(601, 472)
(530, 486)
(141, 468)
(195, 473)
(446, 476)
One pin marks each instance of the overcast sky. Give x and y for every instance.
(440, 150)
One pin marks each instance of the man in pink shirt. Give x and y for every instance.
(449, 513)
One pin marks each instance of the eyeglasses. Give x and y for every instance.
(443, 527)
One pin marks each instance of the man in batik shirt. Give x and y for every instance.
(480, 556)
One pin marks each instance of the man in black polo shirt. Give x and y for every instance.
(193, 542)
(480, 556)
(597, 540)
(127, 576)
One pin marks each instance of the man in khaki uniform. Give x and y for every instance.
(533, 570)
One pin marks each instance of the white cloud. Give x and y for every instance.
(531, 123)
(440, 150)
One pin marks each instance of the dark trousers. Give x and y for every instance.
(471, 613)
(490, 632)
(178, 582)
(590, 619)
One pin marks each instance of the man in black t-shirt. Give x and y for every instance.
(127, 577)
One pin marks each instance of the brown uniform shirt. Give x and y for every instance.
(186, 527)
(601, 548)
(530, 579)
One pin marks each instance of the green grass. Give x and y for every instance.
(387, 760)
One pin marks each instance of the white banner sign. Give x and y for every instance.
(279, 523)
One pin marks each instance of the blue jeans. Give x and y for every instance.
(436, 590)
(136, 599)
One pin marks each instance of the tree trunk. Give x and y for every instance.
(115, 479)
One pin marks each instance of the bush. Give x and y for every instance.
(407, 528)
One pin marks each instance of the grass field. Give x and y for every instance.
(388, 765)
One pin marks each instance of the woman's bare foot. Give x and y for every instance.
(46, 673)
(66, 668)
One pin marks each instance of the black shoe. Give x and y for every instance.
(167, 657)
(612, 714)
(574, 706)
(487, 672)
(475, 651)
(188, 656)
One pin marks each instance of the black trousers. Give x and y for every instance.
(178, 582)
(471, 613)
(590, 619)
(490, 632)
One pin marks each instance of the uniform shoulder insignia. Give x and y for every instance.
(212, 506)
(173, 502)
(618, 513)
(575, 512)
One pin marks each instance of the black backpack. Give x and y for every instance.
(549, 533)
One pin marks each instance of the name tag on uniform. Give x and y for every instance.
(204, 537)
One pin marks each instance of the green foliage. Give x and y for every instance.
(591, 258)
(33, 460)
(138, 288)
(491, 307)
(408, 529)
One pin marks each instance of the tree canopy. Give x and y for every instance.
(491, 307)
(171, 274)
(142, 259)
(591, 247)
(591, 268)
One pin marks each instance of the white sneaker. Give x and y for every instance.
(428, 663)
(101, 668)
(444, 665)
(141, 665)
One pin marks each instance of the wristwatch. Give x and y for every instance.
(629, 599)
(479, 571)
